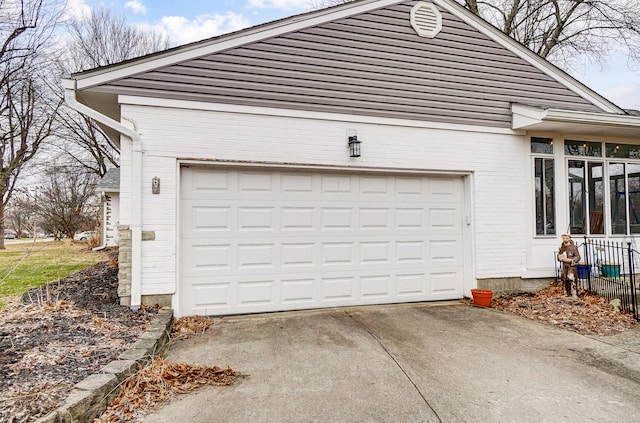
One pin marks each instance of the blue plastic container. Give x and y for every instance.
(584, 270)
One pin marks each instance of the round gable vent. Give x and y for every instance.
(426, 19)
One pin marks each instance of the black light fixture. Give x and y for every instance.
(354, 146)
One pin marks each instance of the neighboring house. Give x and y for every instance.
(239, 192)
(109, 189)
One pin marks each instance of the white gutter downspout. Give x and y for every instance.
(136, 185)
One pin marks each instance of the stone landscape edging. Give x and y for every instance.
(90, 397)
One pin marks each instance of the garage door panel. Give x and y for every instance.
(445, 284)
(257, 293)
(411, 286)
(298, 291)
(297, 183)
(255, 183)
(209, 258)
(444, 219)
(410, 218)
(375, 218)
(376, 287)
(337, 253)
(336, 218)
(442, 188)
(375, 185)
(254, 241)
(253, 256)
(298, 218)
(298, 254)
(412, 251)
(445, 252)
(376, 252)
(201, 183)
(338, 288)
(336, 184)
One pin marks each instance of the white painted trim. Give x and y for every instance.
(303, 114)
(191, 51)
(527, 117)
(529, 56)
(303, 166)
(175, 297)
(469, 275)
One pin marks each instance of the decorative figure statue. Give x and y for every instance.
(570, 257)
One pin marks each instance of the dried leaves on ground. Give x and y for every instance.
(156, 383)
(191, 325)
(588, 314)
(53, 338)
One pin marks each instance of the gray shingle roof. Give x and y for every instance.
(110, 182)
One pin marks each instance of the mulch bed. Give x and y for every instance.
(589, 314)
(56, 336)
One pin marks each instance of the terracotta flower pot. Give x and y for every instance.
(482, 297)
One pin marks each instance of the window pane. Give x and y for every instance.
(626, 151)
(538, 175)
(577, 206)
(633, 178)
(544, 185)
(596, 198)
(549, 197)
(542, 145)
(617, 191)
(582, 148)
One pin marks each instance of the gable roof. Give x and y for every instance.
(363, 58)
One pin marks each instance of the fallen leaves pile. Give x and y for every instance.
(191, 325)
(156, 383)
(589, 314)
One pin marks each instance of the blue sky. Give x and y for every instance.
(192, 20)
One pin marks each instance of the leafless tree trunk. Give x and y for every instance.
(26, 111)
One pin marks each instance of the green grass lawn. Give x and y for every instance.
(26, 266)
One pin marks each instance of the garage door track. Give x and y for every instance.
(409, 363)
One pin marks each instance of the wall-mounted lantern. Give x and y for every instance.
(354, 144)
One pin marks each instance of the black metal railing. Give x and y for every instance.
(608, 268)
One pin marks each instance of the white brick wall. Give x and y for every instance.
(494, 159)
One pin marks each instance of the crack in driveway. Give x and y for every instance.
(386, 350)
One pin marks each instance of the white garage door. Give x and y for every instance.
(256, 241)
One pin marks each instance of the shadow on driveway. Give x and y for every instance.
(428, 362)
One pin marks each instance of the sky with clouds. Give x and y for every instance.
(192, 20)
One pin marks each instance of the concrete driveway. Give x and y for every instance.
(409, 363)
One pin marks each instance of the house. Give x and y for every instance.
(109, 189)
(375, 152)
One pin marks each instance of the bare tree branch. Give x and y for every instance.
(100, 39)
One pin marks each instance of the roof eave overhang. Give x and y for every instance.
(535, 119)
